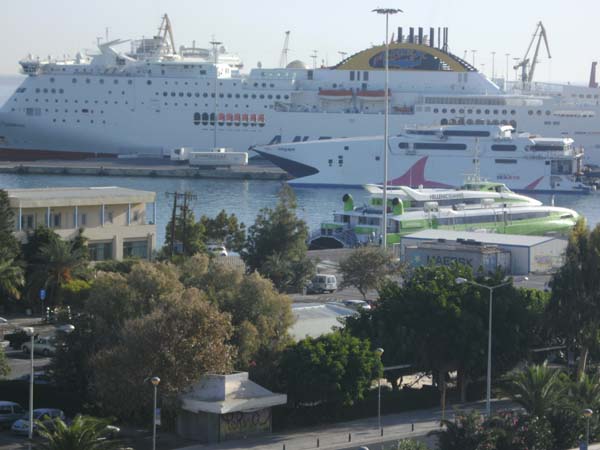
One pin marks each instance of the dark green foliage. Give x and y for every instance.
(336, 368)
(83, 433)
(224, 229)
(190, 236)
(409, 444)
(112, 265)
(12, 277)
(8, 243)
(276, 244)
(574, 308)
(437, 325)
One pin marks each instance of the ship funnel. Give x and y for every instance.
(397, 206)
(439, 36)
(411, 35)
(400, 36)
(432, 37)
(420, 36)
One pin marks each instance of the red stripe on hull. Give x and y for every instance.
(14, 154)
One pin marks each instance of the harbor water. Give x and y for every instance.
(245, 198)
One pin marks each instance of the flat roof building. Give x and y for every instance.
(528, 254)
(114, 220)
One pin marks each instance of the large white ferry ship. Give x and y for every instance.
(154, 97)
(436, 157)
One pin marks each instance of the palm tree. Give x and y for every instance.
(537, 388)
(11, 276)
(586, 392)
(84, 433)
(58, 262)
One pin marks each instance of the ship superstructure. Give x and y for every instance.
(152, 98)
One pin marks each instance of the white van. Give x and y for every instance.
(323, 283)
(217, 249)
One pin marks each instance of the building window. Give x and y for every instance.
(135, 249)
(110, 217)
(100, 251)
(56, 220)
(28, 222)
(84, 219)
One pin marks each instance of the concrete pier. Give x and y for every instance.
(137, 167)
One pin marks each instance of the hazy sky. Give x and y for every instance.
(255, 29)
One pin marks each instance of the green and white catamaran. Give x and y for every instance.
(476, 206)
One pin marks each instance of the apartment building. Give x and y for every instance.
(118, 222)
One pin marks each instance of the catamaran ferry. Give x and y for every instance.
(154, 97)
(436, 157)
(476, 206)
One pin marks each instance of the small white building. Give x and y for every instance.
(222, 407)
(528, 254)
(114, 220)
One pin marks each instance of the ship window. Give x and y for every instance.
(37, 90)
(352, 75)
(365, 76)
(165, 94)
(181, 94)
(286, 96)
(60, 91)
(444, 110)
(189, 94)
(74, 80)
(204, 118)
(469, 133)
(506, 161)
(197, 118)
(52, 80)
(245, 95)
(478, 111)
(487, 111)
(539, 113)
(452, 110)
(444, 122)
(530, 112)
(297, 139)
(309, 74)
(547, 112)
(504, 148)
(149, 82)
(439, 146)
(330, 163)
(403, 145)
(504, 111)
(495, 111)
(435, 110)
(220, 95)
(512, 112)
(173, 94)
(205, 95)
(101, 81)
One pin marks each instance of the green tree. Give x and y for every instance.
(11, 276)
(409, 444)
(189, 236)
(574, 308)
(58, 262)
(336, 368)
(178, 341)
(537, 388)
(367, 268)
(83, 433)
(7, 225)
(225, 229)
(279, 232)
(4, 366)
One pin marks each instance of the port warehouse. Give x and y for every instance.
(516, 254)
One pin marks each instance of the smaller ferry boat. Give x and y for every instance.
(436, 157)
(477, 206)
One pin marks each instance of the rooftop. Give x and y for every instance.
(76, 196)
(487, 238)
(316, 319)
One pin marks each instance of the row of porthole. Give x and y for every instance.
(78, 121)
(237, 120)
(148, 82)
(513, 123)
(477, 111)
(221, 95)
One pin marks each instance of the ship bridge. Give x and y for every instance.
(412, 52)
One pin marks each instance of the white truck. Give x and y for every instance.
(218, 157)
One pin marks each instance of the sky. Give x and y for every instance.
(255, 29)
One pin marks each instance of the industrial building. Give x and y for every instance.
(113, 219)
(515, 254)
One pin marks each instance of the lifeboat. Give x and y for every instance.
(335, 94)
(229, 117)
(236, 118)
(244, 117)
(373, 95)
(221, 117)
(404, 109)
(252, 117)
(261, 120)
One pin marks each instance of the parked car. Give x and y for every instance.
(45, 416)
(356, 304)
(42, 345)
(217, 249)
(9, 412)
(322, 283)
(38, 378)
(16, 338)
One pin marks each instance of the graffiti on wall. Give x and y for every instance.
(240, 424)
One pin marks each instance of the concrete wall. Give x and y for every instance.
(202, 426)
(548, 256)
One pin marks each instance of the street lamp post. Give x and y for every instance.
(587, 413)
(491, 289)
(386, 12)
(155, 382)
(379, 352)
(493, 65)
(30, 331)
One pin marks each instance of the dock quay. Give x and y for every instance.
(147, 167)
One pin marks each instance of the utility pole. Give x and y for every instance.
(179, 212)
(314, 58)
(493, 65)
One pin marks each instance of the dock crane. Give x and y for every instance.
(524, 64)
(285, 50)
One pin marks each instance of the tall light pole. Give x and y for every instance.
(473, 52)
(30, 331)
(587, 413)
(155, 382)
(379, 352)
(491, 289)
(215, 45)
(493, 65)
(506, 76)
(387, 12)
